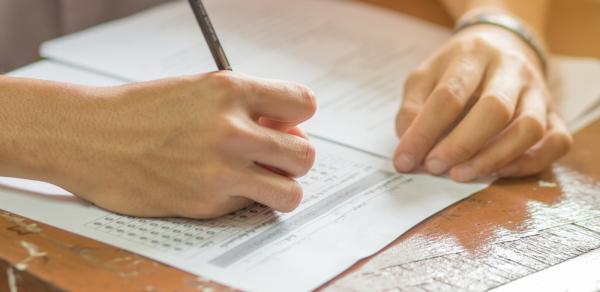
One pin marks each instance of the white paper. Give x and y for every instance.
(354, 56)
(354, 205)
(577, 88)
(589, 118)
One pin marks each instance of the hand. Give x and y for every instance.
(198, 147)
(479, 106)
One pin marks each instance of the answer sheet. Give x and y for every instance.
(354, 204)
(354, 56)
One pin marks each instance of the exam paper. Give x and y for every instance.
(354, 56)
(354, 205)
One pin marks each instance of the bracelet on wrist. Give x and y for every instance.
(510, 23)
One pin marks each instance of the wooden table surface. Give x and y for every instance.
(510, 230)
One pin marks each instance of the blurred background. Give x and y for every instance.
(25, 24)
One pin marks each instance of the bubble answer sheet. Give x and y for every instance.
(354, 204)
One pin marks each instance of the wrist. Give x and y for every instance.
(43, 122)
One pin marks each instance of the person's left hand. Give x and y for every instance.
(479, 106)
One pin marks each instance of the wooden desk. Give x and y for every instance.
(507, 231)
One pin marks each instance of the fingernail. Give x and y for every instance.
(465, 173)
(436, 166)
(405, 163)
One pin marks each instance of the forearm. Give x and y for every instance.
(37, 122)
(533, 11)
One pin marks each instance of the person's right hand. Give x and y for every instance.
(198, 146)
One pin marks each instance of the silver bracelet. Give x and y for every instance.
(509, 23)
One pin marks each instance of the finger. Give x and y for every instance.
(525, 131)
(486, 119)
(555, 144)
(279, 100)
(289, 128)
(442, 108)
(291, 154)
(278, 192)
(224, 207)
(299, 133)
(416, 89)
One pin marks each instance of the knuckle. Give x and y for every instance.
(452, 97)
(522, 66)
(531, 126)
(303, 156)
(272, 144)
(222, 77)
(479, 44)
(230, 129)
(406, 115)
(459, 152)
(476, 45)
(563, 142)
(308, 157)
(225, 82)
(292, 198)
(503, 108)
(308, 98)
(409, 108)
(415, 77)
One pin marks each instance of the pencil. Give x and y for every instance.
(210, 35)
